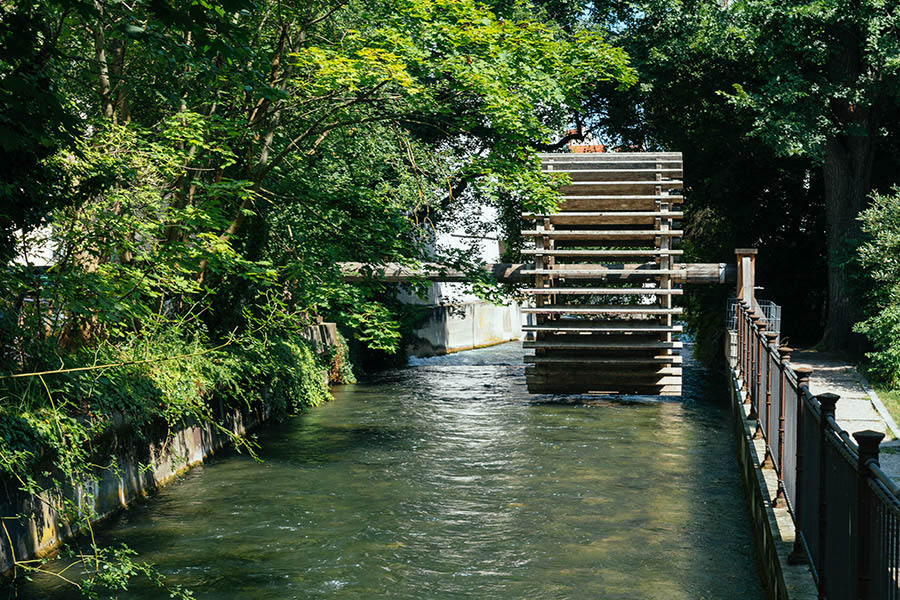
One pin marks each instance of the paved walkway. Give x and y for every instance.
(859, 407)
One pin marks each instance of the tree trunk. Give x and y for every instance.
(849, 155)
(848, 180)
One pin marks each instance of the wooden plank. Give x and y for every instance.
(601, 169)
(574, 369)
(588, 326)
(590, 203)
(615, 188)
(603, 345)
(566, 309)
(606, 234)
(602, 253)
(606, 360)
(610, 214)
(605, 291)
(604, 381)
(628, 173)
(607, 274)
(606, 218)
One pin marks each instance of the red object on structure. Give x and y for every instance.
(587, 148)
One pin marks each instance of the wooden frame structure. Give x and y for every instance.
(601, 324)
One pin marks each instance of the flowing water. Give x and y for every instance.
(448, 480)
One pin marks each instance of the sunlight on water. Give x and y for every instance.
(448, 480)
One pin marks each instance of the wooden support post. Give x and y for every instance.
(868, 441)
(798, 555)
(746, 274)
(667, 261)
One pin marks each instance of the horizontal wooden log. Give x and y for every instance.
(690, 273)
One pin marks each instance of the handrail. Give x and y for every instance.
(827, 514)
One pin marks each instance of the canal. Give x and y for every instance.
(448, 480)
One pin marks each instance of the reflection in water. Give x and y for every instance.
(448, 480)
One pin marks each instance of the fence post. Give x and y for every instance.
(798, 555)
(828, 403)
(746, 273)
(868, 453)
(784, 352)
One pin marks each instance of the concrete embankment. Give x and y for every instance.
(456, 327)
(133, 467)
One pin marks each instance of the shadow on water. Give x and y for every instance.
(447, 480)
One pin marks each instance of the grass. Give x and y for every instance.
(891, 399)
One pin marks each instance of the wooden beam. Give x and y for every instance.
(355, 272)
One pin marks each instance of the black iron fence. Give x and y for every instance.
(846, 510)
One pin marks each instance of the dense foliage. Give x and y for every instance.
(178, 181)
(879, 259)
(787, 116)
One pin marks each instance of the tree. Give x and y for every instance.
(832, 78)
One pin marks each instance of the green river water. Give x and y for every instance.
(448, 480)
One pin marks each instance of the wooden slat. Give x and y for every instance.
(611, 215)
(602, 309)
(598, 395)
(629, 173)
(600, 272)
(661, 359)
(600, 345)
(606, 218)
(591, 203)
(587, 326)
(605, 291)
(606, 234)
(602, 253)
(607, 381)
(574, 369)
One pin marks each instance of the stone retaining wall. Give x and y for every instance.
(140, 467)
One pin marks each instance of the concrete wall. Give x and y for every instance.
(455, 327)
(139, 467)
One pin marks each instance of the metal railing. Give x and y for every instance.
(846, 510)
(771, 313)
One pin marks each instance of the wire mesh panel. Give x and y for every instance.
(884, 553)
(838, 562)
